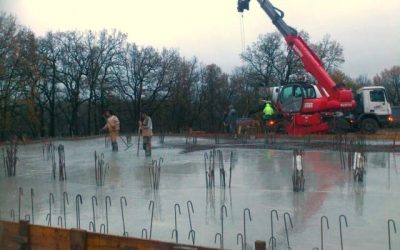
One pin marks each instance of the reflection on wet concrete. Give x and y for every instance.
(261, 182)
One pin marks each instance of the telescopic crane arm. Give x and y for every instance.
(339, 98)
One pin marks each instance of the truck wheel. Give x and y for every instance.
(369, 126)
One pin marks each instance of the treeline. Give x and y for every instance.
(60, 84)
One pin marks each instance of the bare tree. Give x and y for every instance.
(330, 52)
(73, 62)
(102, 53)
(18, 77)
(390, 78)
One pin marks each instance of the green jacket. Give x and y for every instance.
(268, 110)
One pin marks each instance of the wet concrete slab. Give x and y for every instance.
(261, 181)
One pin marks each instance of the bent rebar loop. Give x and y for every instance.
(151, 204)
(27, 217)
(192, 233)
(272, 222)
(144, 230)
(286, 214)
(189, 202)
(239, 235)
(108, 198)
(221, 235)
(78, 199)
(220, 239)
(123, 198)
(102, 228)
(91, 226)
(60, 221)
(94, 201)
(340, 228)
(322, 231)
(65, 198)
(244, 226)
(389, 232)
(175, 230)
(20, 194)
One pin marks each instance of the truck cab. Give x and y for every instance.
(372, 110)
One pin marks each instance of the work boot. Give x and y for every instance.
(114, 146)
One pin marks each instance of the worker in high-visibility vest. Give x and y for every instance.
(268, 110)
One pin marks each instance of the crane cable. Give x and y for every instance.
(242, 34)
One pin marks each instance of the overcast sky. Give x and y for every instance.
(369, 30)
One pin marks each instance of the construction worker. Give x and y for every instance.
(146, 128)
(268, 110)
(112, 126)
(232, 119)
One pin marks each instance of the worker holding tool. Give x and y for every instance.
(112, 126)
(146, 128)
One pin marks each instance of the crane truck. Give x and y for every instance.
(325, 106)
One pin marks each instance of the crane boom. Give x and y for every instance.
(339, 98)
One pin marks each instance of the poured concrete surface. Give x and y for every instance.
(261, 181)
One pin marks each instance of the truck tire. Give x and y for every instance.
(369, 126)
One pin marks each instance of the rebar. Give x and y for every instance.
(102, 228)
(10, 159)
(394, 227)
(151, 204)
(162, 138)
(190, 220)
(122, 198)
(340, 228)
(272, 242)
(205, 169)
(192, 234)
(108, 198)
(230, 168)
(155, 172)
(100, 168)
(20, 193)
(239, 235)
(272, 225)
(221, 235)
(286, 228)
(65, 198)
(33, 217)
(322, 231)
(48, 219)
(51, 200)
(144, 230)
(48, 151)
(94, 201)
(60, 221)
(78, 199)
(175, 230)
(221, 168)
(12, 214)
(62, 173)
(244, 226)
(92, 227)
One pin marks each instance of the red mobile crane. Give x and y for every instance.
(307, 108)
